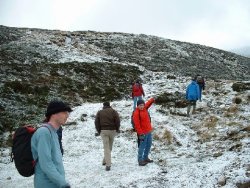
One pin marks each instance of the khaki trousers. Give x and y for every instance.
(108, 139)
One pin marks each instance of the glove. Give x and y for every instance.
(141, 137)
(97, 134)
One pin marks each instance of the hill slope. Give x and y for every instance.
(37, 65)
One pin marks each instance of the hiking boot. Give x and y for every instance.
(149, 160)
(142, 163)
(107, 168)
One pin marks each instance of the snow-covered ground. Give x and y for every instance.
(185, 162)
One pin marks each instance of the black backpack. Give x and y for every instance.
(21, 150)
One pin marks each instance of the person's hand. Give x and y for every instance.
(97, 134)
(141, 137)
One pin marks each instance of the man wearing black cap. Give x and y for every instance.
(107, 124)
(45, 147)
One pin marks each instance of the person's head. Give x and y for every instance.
(140, 104)
(106, 104)
(137, 81)
(57, 111)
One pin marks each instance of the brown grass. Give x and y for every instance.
(210, 122)
(167, 136)
(233, 109)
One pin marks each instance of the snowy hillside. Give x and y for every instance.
(37, 65)
(209, 149)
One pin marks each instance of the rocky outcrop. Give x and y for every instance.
(241, 86)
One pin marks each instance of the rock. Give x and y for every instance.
(217, 154)
(176, 99)
(237, 100)
(244, 184)
(241, 86)
(222, 180)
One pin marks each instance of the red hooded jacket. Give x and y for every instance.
(137, 90)
(142, 120)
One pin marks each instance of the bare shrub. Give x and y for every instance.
(204, 135)
(233, 123)
(237, 100)
(156, 137)
(167, 136)
(210, 122)
(231, 110)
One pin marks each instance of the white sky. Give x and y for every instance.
(222, 24)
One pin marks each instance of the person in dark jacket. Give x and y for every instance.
(137, 92)
(192, 95)
(107, 124)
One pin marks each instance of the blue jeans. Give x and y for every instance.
(144, 147)
(135, 101)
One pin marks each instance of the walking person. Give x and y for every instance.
(107, 124)
(137, 92)
(45, 147)
(143, 127)
(192, 95)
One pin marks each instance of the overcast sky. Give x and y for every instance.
(223, 24)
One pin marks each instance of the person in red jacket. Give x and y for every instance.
(137, 92)
(143, 127)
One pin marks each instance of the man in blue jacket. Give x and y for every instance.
(45, 147)
(192, 95)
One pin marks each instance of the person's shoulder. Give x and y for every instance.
(43, 130)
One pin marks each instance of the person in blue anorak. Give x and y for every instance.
(192, 95)
(45, 147)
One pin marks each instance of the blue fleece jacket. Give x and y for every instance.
(49, 170)
(193, 92)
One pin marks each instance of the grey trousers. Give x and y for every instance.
(191, 104)
(108, 139)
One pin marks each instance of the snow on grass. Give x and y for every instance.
(187, 163)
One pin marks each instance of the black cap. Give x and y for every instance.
(56, 107)
(140, 101)
(106, 104)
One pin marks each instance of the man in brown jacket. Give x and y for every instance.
(107, 124)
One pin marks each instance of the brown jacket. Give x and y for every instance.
(107, 119)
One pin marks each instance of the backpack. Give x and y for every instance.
(132, 121)
(21, 150)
